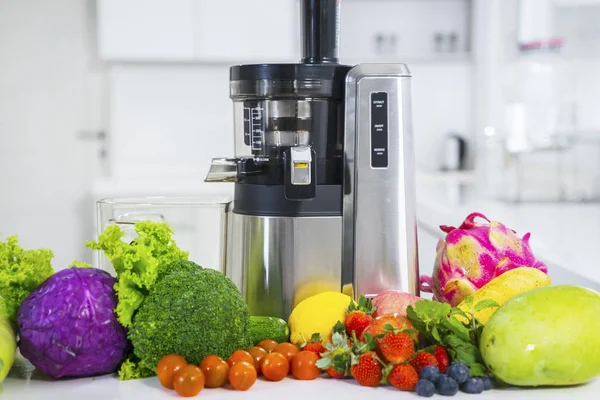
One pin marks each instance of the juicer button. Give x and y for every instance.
(300, 166)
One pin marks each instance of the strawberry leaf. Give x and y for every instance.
(340, 363)
(339, 340)
(324, 363)
(316, 337)
(351, 307)
(385, 373)
(371, 343)
(339, 327)
(330, 346)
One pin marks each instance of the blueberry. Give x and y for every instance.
(446, 386)
(425, 388)
(430, 372)
(459, 372)
(472, 386)
(487, 383)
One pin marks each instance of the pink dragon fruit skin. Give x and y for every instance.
(472, 255)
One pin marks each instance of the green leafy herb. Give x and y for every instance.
(437, 322)
(483, 304)
(458, 311)
(456, 327)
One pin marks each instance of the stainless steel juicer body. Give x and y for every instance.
(279, 261)
(324, 175)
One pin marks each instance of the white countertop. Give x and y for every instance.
(110, 388)
(563, 235)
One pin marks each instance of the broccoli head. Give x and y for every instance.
(193, 313)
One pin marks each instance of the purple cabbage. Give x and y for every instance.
(68, 326)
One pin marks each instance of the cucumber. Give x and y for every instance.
(262, 328)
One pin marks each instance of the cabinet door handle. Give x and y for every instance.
(92, 135)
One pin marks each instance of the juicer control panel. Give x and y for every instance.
(379, 129)
(378, 217)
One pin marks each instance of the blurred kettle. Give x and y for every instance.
(454, 152)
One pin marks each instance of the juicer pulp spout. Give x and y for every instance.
(223, 170)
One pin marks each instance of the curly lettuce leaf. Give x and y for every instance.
(21, 272)
(133, 368)
(138, 264)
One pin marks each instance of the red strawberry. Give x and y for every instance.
(334, 374)
(442, 358)
(423, 359)
(314, 345)
(367, 371)
(403, 377)
(358, 316)
(397, 347)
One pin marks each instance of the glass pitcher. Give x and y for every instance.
(199, 224)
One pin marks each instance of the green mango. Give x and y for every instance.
(548, 336)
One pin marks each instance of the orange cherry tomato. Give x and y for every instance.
(275, 367)
(289, 350)
(303, 366)
(240, 355)
(215, 371)
(268, 344)
(258, 353)
(188, 381)
(242, 375)
(166, 368)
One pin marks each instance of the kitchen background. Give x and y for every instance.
(130, 97)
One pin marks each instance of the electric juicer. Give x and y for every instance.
(324, 175)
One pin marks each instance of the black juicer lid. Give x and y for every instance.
(288, 80)
(318, 74)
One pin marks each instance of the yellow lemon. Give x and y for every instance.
(313, 287)
(317, 314)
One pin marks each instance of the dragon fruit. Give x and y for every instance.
(472, 255)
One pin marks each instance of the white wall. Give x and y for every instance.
(51, 89)
(168, 120)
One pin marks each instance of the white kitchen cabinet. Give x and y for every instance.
(247, 31)
(228, 31)
(404, 30)
(145, 30)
